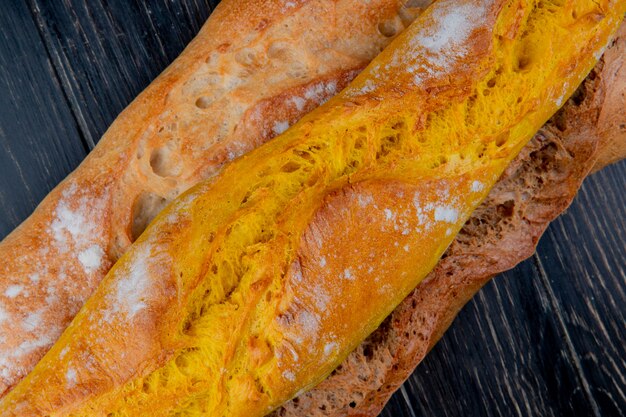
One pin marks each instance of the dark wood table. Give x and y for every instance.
(546, 339)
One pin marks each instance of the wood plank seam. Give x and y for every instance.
(569, 346)
(39, 138)
(86, 138)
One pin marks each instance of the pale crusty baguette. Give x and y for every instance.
(255, 67)
(256, 284)
(504, 230)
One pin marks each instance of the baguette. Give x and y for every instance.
(535, 188)
(254, 68)
(245, 290)
(614, 75)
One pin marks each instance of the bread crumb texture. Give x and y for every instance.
(238, 315)
(252, 71)
(535, 188)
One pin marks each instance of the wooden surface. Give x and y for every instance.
(546, 339)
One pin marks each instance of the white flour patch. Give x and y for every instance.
(9, 370)
(129, 290)
(51, 296)
(308, 323)
(434, 50)
(347, 274)
(330, 348)
(420, 212)
(66, 223)
(298, 102)
(32, 321)
(446, 214)
(75, 227)
(280, 127)
(368, 87)
(71, 377)
(91, 258)
(365, 200)
(430, 51)
(389, 215)
(13, 291)
(320, 92)
(477, 186)
(71, 226)
(453, 25)
(134, 284)
(4, 316)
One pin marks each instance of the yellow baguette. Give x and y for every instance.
(255, 285)
(254, 68)
(535, 188)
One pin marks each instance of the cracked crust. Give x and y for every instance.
(228, 319)
(537, 187)
(158, 160)
(254, 69)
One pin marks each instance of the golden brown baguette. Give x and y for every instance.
(255, 67)
(504, 230)
(246, 290)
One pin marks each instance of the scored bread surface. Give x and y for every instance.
(255, 68)
(256, 284)
(538, 185)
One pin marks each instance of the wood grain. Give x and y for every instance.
(583, 260)
(546, 339)
(504, 356)
(107, 52)
(551, 332)
(38, 136)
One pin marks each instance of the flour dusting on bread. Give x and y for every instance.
(233, 89)
(230, 285)
(3, 315)
(71, 378)
(443, 44)
(13, 291)
(74, 228)
(91, 258)
(133, 285)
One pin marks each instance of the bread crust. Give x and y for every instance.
(254, 68)
(214, 310)
(612, 126)
(538, 186)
